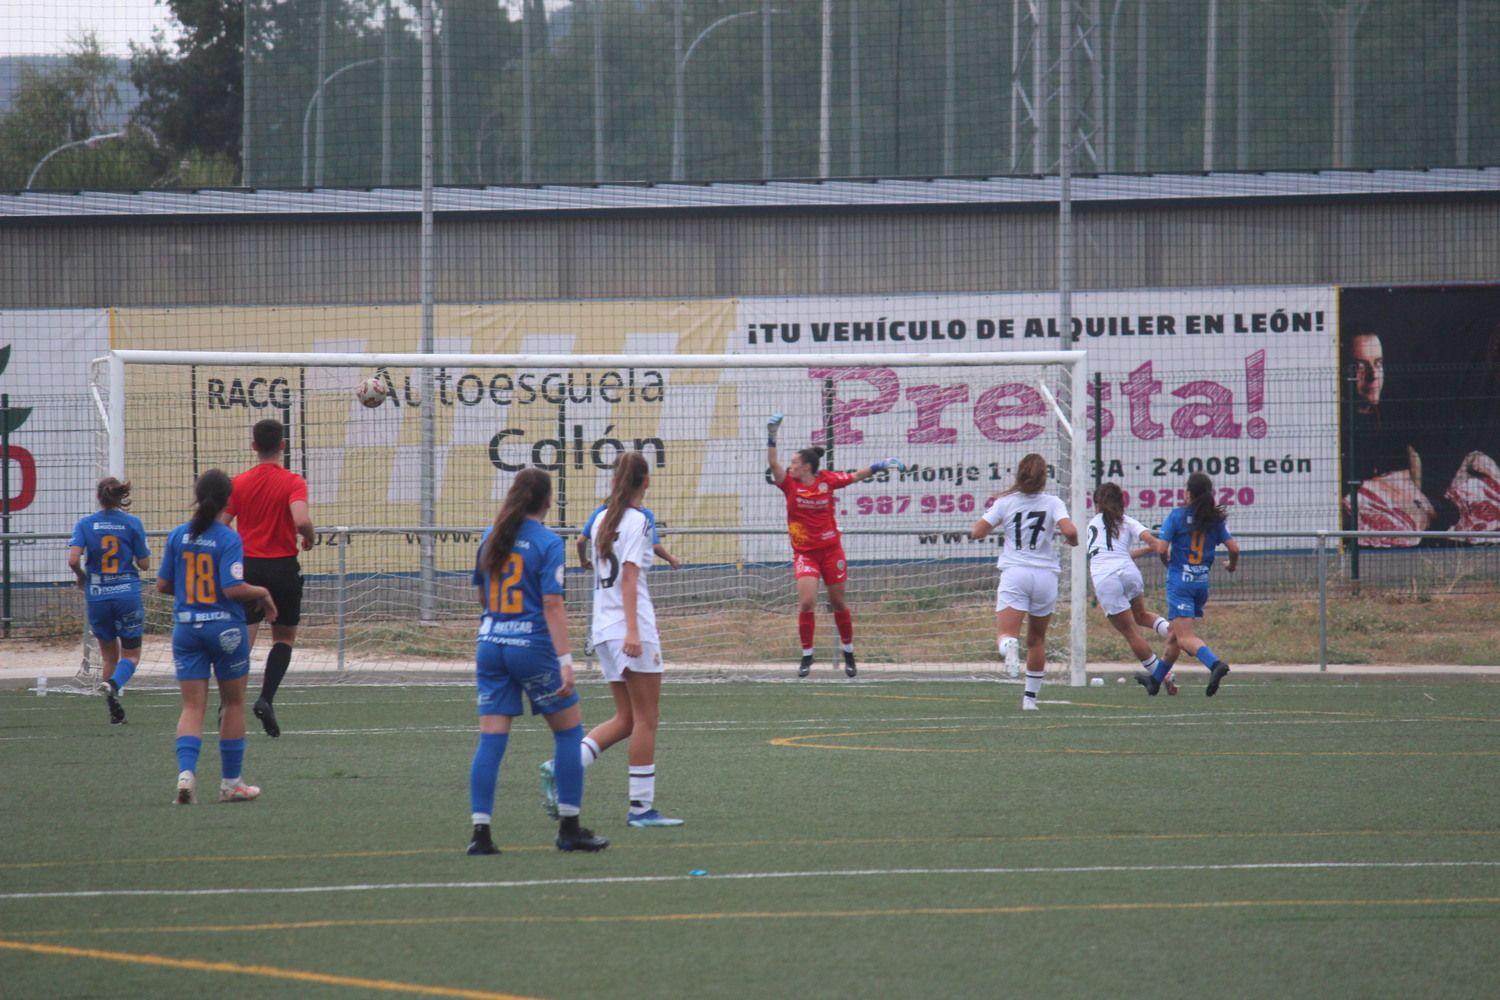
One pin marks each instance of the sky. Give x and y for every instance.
(44, 27)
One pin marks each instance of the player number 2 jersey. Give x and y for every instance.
(632, 545)
(1107, 552)
(1027, 522)
(112, 541)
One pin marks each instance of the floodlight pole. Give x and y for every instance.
(679, 83)
(307, 116)
(428, 501)
(90, 141)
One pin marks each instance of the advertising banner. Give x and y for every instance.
(1420, 411)
(50, 427)
(1239, 383)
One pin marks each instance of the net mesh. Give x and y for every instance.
(922, 592)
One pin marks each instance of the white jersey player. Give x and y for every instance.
(1027, 519)
(625, 637)
(631, 546)
(1116, 577)
(1112, 538)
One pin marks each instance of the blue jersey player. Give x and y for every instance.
(1192, 533)
(523, 648)
(203, 568)
(106, 554)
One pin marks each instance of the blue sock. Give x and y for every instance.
(1206, 656)
(485, 771)
(568, 768)
(232, 757)
(124, 670)
(1163, 668)
(188, 748)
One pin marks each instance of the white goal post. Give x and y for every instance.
(400, 491)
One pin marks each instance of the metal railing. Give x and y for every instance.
(1290, 571)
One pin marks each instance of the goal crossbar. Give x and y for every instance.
(1075, 362)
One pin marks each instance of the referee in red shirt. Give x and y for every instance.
(269, 502)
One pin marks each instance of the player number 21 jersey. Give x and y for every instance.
(1109, 552)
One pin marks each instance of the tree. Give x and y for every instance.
(66, 104)
(192, 91)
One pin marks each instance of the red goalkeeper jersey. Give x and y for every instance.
(809, 510)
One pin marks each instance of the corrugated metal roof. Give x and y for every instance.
(772, 194)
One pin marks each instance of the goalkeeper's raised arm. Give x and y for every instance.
(778, 471)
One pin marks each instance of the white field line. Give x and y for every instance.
(866, 726)
(755, 876)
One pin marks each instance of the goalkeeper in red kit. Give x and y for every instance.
(817, 548)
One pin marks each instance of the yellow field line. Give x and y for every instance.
(710, 916)
(265, 971)
(872, 696)
(802, 743)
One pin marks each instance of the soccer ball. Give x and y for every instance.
(371, 392)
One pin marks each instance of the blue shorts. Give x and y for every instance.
(199, 646)
(117, 618)
(503, 672)
(1186, 600)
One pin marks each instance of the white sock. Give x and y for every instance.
(1161, 627)
(1007, 646)
(480, 818)
(807, 652)
(642, 787)
(588, 751)
(1033, 684)
(1149, 663)
(847, 647)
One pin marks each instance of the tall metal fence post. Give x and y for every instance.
(1322, 601)
(5, 506)
(341, 592)
(1351, 482)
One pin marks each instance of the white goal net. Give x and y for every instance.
(401, 492)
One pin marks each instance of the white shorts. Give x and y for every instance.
(1028, 589)
(613, 662)
(1116, 588)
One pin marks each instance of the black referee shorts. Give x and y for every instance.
(283, 578)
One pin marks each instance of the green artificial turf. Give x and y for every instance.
(1307, 838)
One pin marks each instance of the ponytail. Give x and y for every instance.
(1206, 513)
(1031, 475)
(530, 493)
(1110, 503)
(112, 494)
(625, 489)
(212, 493)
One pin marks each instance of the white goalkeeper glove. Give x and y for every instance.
(772, 426)
(888, 463)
